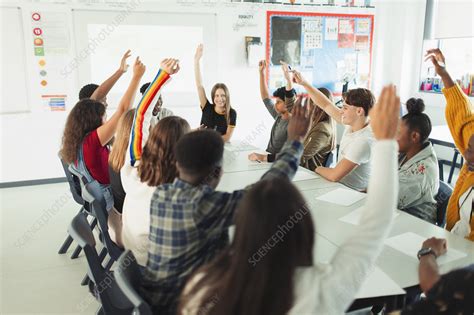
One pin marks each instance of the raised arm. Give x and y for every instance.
(198, 76)
(458, 107)
(143, 115)
(362, 248)
(101, 92)
(262, 68)
(318, 97)
(290, 94)
(107, 130)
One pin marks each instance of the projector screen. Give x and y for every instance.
(153, 36)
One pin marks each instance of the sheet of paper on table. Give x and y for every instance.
(353, 217)
(378, 283)
(410, 243)
(342, 196)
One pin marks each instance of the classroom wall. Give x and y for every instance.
(30, 141)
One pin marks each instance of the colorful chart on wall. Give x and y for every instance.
(328, 49)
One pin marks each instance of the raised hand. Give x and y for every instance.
(262, 66)
(138, 68)
(298, 78)
(123, 63)
(170, 65)
(384, 116)
(437, 58)
(438, 245)
(300, 120)
(286, 71)
(199, 52)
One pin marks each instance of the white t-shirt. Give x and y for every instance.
(356, 147)
(463, 226)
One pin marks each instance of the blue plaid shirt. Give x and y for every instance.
(189, 227)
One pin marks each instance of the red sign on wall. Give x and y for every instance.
(37, 31)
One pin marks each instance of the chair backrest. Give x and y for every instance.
(74, 184)
(128, 279)
(111, 298)
(442, 199)
(92, 193)
(329, 159)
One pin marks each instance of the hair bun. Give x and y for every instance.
(415, 105)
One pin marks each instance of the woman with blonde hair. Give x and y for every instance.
(321, 137)
(218, 115)
(116, 162)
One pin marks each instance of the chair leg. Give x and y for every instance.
(76, 252)
(65, 245)
(453, 166)
(85, 280)
(103, 254)
(109, 264)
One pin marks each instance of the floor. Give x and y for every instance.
(34, 279)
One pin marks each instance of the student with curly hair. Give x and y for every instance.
(88, 131)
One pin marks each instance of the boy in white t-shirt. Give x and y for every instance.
(353, 166)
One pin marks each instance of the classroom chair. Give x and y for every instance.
(329, 159)
(128, 279)
(89, 199)
(106, 290)
(442, 198)
(75, 189)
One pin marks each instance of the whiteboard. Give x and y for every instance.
(153, 36)
(13, 67)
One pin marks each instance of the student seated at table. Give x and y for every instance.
(219, 115)
(353, 167)
(452, 293)
(418, 165)
(190, 219)
(99, 92)
(116, 161)
(285, 97)
(159, 111)
(320, 140)
(460, 118)
(153, 163)
(88, 131)
(269, 267)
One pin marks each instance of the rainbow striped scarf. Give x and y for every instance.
(139, 128)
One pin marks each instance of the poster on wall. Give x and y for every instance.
(362, 42)
(345, 38)
(286, 40)
(50, 42)
(331, 29)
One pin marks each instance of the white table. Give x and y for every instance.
(400, 267)
(332, 233)
(238, 180)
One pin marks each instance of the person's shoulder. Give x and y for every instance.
(92, 138)
(233, 111)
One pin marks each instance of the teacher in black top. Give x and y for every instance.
(218, 115)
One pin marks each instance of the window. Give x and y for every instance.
(459, 62)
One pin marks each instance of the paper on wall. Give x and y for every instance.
(362, 26)
(346, 26)
(313, 40)
(331, 29)
(362, 42)
(410, 243)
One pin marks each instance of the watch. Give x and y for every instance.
(426, 251)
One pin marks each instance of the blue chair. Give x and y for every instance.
(442, 198)
(106, 290)
(128, 279)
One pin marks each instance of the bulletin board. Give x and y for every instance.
(328, 49)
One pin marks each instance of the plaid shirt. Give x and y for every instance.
(189, 226)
